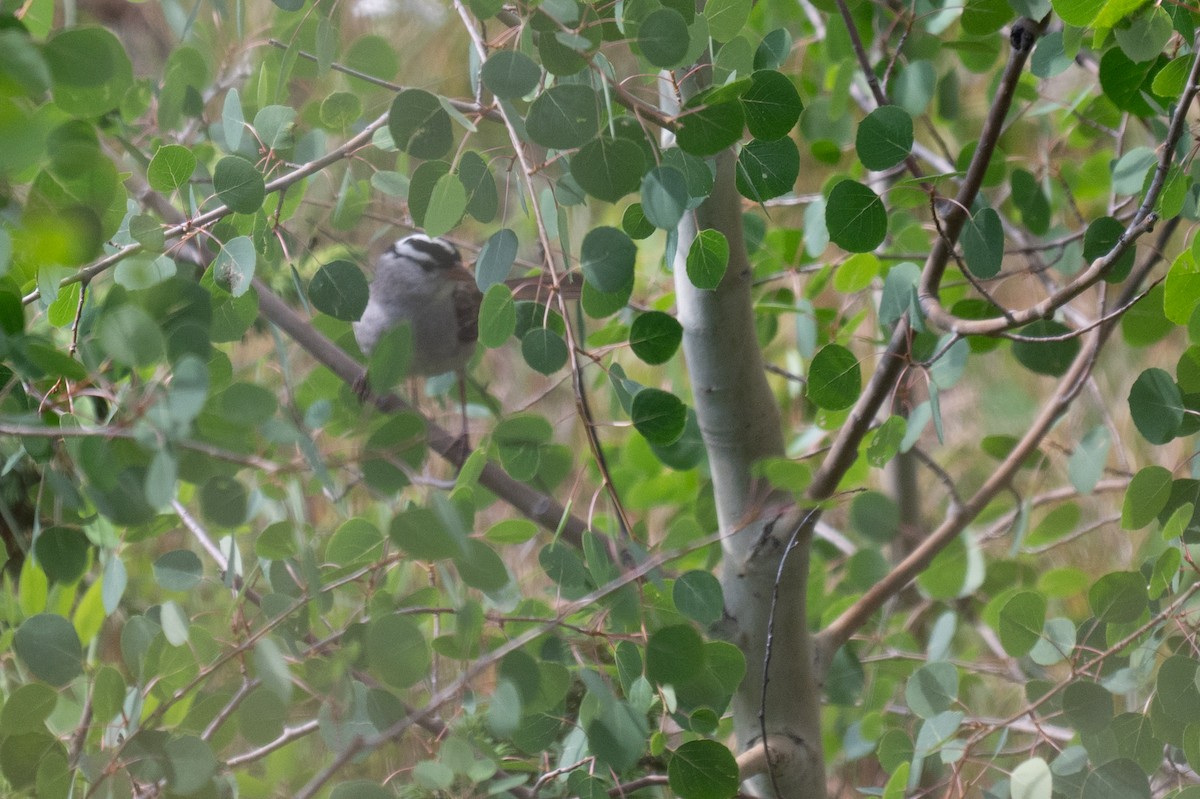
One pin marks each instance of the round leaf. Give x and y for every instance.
(698, 596)
(1021, 621)
(397, 651)
(1156, 406)
(707, 259)
(983, 243)
(419, 125)
(703, 769)
(664, 196)
(170, 168)
(674, 654)
(50, 648)
(496, 259)
(932, 689)
(510, 74)
(654, 336)
(663, 37)
(339, 290)
(564, 116)
(834, 379)
(62, 552)
(544, 350)
(447, 204)
(855, 217)
(239, 185)
(767, 169)
(709, 129)
(885, 137)
(608, 169)
(1118, 597)
(497, 316)
(772, 105)
(178, 570)
(658, 415)
(1046, 358)
(607, 258)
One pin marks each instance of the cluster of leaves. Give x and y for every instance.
(213, 598)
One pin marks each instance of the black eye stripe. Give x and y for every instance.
(438, 254)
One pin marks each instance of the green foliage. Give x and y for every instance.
(227, 575)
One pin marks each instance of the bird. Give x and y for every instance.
(421, 281)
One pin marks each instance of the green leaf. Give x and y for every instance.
(1177, 690)
(1031, 780)
(697, 594)
(496, 258)
(885, 443)
(190, 764)
(607, 258)
(855, 217)
(224, 501)
(664, 196)
(50, 648)
(497, 316)
(1156, 406)
(239, 185)
(1030, 201)
(654, 336)
(1101, 236)
(339, 290)
(708, 129)
(355, 542)
(708, 258)
(834, 378)
(1087, 706)
(608, 169)
(658, 415)
(663, 37)
(1146, 36)
(510, 74)
(1079, 13)
(130, 336)
(983, 243)
(1116, 779)
(1046, 358)
(932, 689)
(90, 68)
(476, 177)
(985, 17)
(420, 533)
(1145, 497)
(141, 272)
(674, 654)
(480, 567)
(261, 717)
(419, 125)
(703, 769)
(544, 350)
(397, 650)
(62, 552)
(767, 169)
(178, 570)
(171, 168)
(521, 440)
(447, 204)
(1021, 621)
(1118, 597)
(772, 105)
(726, 18)
(564, 116)
(885, 137)
(340, 110)
(1181, 294)
(1085, 466)
(233, 268)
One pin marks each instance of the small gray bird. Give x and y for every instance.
(422, 281)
